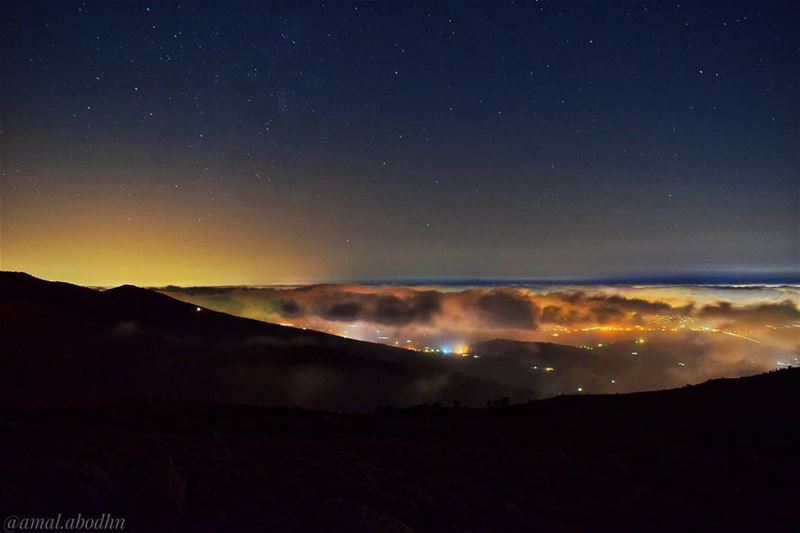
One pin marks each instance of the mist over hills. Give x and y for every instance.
(65, 344)
(598, 338)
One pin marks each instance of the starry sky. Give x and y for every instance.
(278, 142)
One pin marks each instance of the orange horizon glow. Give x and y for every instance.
(104, 244)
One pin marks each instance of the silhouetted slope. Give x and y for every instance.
(65, 344)
(718, 457)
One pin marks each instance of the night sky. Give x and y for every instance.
(217, 143)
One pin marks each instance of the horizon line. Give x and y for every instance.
(730, 279)
(698, 279)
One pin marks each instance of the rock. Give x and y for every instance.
(338, 514)
(157, 495)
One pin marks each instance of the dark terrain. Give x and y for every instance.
(136, 424)
(722, 456)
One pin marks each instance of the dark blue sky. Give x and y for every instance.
(262, 142)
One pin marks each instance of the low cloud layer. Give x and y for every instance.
(524, 313)
(777, 313)
(622, 338)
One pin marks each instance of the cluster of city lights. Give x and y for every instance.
(663, 324)
(656, 324)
